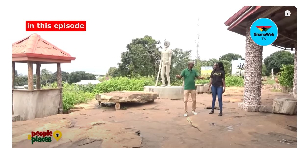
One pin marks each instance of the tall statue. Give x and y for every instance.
(166, 55)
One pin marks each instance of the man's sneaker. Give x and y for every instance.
(194, 113)
(185, 114)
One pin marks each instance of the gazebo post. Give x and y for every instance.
(13, 84)
(252, 76)
(59, 85)
(13, 74)
(30, 76)
(38, 76)
(295, 74)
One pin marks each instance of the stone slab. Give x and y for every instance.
(203, 88)
(167, 92)
(127, 96)
(265, 108)
(285, 106)
(256, 108)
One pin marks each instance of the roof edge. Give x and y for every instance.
(33, 55)
(236, 15)
(248, 14)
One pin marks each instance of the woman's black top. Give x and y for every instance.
(217, 77)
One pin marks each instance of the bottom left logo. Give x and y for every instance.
(44, 136)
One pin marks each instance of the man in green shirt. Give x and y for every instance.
(189, 76)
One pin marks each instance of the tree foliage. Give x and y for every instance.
(227, 66)
(77, 76)
(286, 76)
(209, 62)
(229, 57)
(277, 59)
(179, 62)
(20, 80)
(47, 77)
(112, 72)
(141, 58)
(265, 71)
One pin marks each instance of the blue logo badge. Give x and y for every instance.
(264, 31)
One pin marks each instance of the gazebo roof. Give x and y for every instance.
(36, 49)
(287, 25)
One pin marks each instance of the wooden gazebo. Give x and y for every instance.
(241, 22)
(35, 50)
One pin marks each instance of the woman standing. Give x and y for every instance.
(217, 85)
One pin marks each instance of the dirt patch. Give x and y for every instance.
(281, 139)
(83, 143)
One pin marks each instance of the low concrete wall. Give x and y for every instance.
(172, 92)
(203, 88)
(35, 104)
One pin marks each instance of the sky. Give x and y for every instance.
(113, 24)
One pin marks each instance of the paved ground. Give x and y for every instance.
(161, 125)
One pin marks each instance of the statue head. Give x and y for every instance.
(167, 44)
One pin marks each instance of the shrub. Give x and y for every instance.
(202, 81)
(124, 83)
(180, 82)
(286, 76)
(74, 94)
(177, 82)
(234, 81)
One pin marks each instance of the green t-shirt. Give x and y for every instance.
(189, 79)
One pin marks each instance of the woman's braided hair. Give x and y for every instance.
(221, 66)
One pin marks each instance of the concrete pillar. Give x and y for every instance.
(253, 74)
(30, 76)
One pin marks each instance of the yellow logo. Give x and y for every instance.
(57, 135)
(44, 136)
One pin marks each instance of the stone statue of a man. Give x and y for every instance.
(166, 55)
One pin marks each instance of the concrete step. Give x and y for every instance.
(16, 118)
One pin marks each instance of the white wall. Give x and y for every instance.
(235, 64)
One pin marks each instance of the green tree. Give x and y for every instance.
(265, 71)
(209, 62)
(277, 59)
(20, 80)
(45, 76)
(77, 76)
(141, 58)
(64, 76)
(230, 56)
(179, 62)
(227, 66)
(111, 71)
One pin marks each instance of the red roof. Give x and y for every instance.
(236, 15)
(34, 48)
(231, 20)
